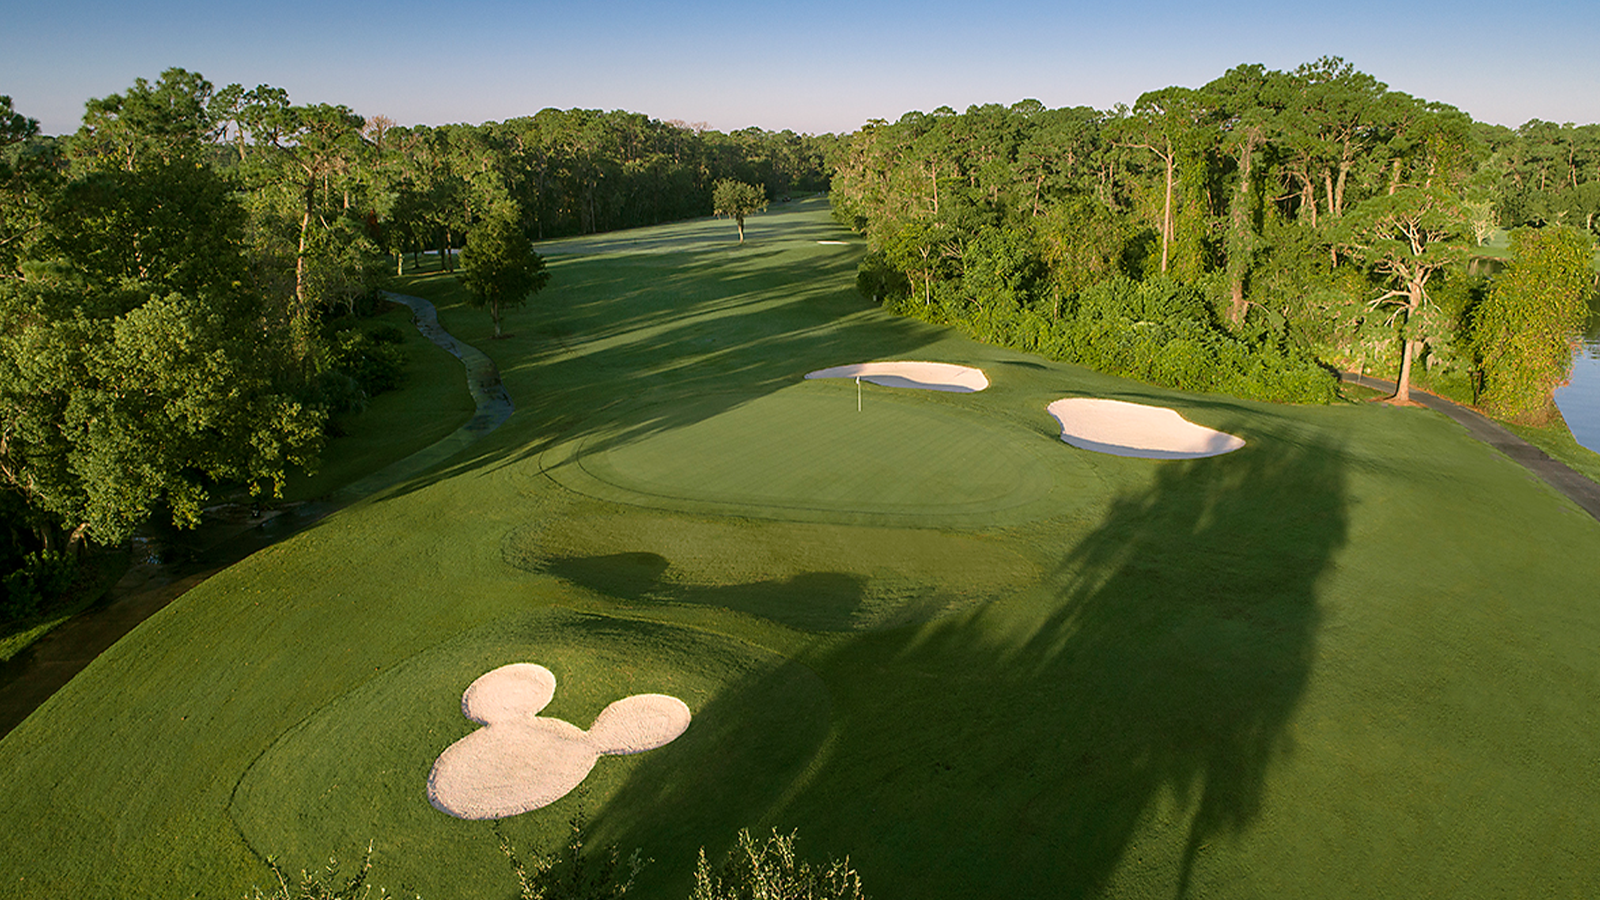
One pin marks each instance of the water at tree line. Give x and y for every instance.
(1579, 398)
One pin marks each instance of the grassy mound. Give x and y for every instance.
(354, 768)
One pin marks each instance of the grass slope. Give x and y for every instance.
(1353, 659)
(432, 403)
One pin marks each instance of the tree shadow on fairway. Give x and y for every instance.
(1114, 724)
(818, 601)
(1189, 627)
(690, 340)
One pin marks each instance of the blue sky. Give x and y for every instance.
(823, 66)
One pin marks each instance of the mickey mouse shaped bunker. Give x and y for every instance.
(521, 760)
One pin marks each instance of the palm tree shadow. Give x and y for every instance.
(1195, 606)
(1158, 668)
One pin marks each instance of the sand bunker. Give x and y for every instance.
(521, 760)
(927, 376)
(1132, 429)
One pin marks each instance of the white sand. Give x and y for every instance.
(1133, 429)
(927, 376)
(521, 760)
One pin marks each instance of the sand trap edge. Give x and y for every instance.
(520, 761)
(1120, 428)
(926, 376)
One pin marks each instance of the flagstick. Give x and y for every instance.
(858, 393)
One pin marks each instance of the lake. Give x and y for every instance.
(1579, 398)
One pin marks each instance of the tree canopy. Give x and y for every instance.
(499, 266)
(736, 200)
(1276, 195)
(178, 278)
(1523, 331)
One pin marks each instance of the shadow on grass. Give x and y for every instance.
(1115, 722)
(611, 359)
(817, 601)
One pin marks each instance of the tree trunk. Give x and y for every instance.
(1308, 197)
(1166, 209)
(740, 220)
(78, 540)
(300, 317)
(1241, 227)
(1402, 391)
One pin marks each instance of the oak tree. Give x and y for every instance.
(499, 266)
(736, 200)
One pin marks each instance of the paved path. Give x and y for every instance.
(1576, 487)
(32, 676)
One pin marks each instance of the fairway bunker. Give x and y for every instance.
(1120, 428)
(927, 376)
(521, 760)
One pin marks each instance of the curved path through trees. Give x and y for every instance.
(227, 535)
(1577, 488)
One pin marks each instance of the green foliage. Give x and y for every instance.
(573, 874)
(324, 885)
(165, 223)
(879, 281)
(110, 417)
(500, 267)
(737, 200)
(1260, 179)
(1084, 243)
(1163, 332)
(42, 577)
(367, 363)
(1523, 331)
(772, 870)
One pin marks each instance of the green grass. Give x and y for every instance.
(1353, 659)
(96, 575)
(432, 403)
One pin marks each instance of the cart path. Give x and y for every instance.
(224, 537)
(1573, 486)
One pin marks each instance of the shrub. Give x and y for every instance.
(324, 885)
(573, 875)
(1523, 332)
(44, 576)
(771, 870)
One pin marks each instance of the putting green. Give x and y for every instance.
(359, 765)
(807, 453)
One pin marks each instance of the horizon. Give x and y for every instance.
(731, 68)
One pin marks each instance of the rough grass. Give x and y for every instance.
(1353, 659)
(1556, 439)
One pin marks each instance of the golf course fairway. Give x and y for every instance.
(1354, 658)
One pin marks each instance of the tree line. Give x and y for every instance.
(180, 279)
(1251, 236)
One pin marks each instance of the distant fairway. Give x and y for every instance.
(1354, 658)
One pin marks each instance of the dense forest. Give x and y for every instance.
(180, 280)
(1250, 236)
